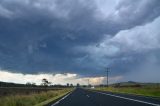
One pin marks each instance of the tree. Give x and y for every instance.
(28, 84)
(78, 85)
(33, 84)
(45, 82)
(67, 84)
(71, 85)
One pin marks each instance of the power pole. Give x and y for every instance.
(88, 82)
(107, 75)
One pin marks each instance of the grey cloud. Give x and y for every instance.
(127, 49)
(45, 35)
(147, 70)
(131, 13)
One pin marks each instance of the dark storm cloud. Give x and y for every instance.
(34, 39)
(38, 36)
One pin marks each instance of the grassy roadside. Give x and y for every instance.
(52, 100)
(144, 91)
(33, 99)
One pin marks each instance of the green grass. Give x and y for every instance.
(32, 99)
(145, 91)
(54, 99)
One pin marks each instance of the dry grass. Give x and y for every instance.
(31, 99)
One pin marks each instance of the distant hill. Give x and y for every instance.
(8, 84)
(133, 84)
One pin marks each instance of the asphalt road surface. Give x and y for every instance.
(83, 97)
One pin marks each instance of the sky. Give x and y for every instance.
(71, 41)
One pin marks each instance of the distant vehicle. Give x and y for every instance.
(92, 87)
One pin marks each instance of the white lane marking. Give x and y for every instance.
(87, 96)
(61, 99)
(153, 104)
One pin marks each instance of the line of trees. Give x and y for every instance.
(44, 83)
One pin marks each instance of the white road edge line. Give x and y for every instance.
(153, 104)
(61, 99)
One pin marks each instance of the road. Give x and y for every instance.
(83, 97)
